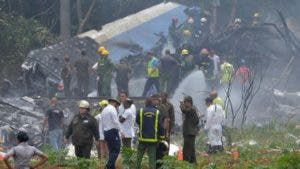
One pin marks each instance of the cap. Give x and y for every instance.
(114, 100)
(188, 98)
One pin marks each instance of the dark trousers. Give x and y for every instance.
(189, 153)
(83, 85)
(151, 81)
(83, 151)
(126, 142)
(151, 150)
(122, 85)
(67, 82)
(114, 144)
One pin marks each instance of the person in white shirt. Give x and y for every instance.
(123, 96)
(213, 126)
(111, 127)
(102, 148)
(127, 123)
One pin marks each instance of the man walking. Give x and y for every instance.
(153, 74)
(150, 131)
(83, 129)
(55, 120)
(111, 127)
(190, 128)
(82, 72)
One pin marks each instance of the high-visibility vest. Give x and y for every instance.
(227, 72)
(155, 136)
(155, 73)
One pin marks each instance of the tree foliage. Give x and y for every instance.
(18, 36)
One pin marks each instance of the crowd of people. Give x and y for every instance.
(113, 123)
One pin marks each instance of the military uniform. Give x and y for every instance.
(168, 118)
(83, 129)
(82, 67)
(190, 129)
(66, 76)
(150, 132)
(123, 70)
(169, 73)
(104, 71)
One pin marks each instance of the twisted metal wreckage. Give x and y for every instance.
(260, 44)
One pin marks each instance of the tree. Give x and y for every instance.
(65, 19)
(82, 21)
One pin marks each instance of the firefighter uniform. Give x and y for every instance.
(150, 132)
(105, 71)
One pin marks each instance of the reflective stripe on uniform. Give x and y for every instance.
(141, 138)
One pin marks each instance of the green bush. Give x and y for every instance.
(172, 162)
(289, 160)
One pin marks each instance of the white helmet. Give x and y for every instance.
(203, 20)
(237, 20)
(190, 20)
(84, 104)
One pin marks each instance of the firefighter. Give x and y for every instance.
(104, 70)
(150, 131)
(153, 73)
(102, 149)
(216, 99)
(190, 128)
(227, 72)
(207, 66)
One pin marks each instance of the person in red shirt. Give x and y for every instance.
(243, 72)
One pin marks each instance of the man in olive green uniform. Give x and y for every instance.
(104, 71)
(150, 131)
(190, 128)
(83, 129)
(82, 69)
(168, 115)
(66, 75)
(123, 71)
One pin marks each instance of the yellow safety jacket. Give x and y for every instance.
(153, 71)
(227, 72)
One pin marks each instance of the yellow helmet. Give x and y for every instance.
(256, 15)
(187, 32)
(105, 52)
(101, 49)
(84, 104)
(103, 103)
(184, 52)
